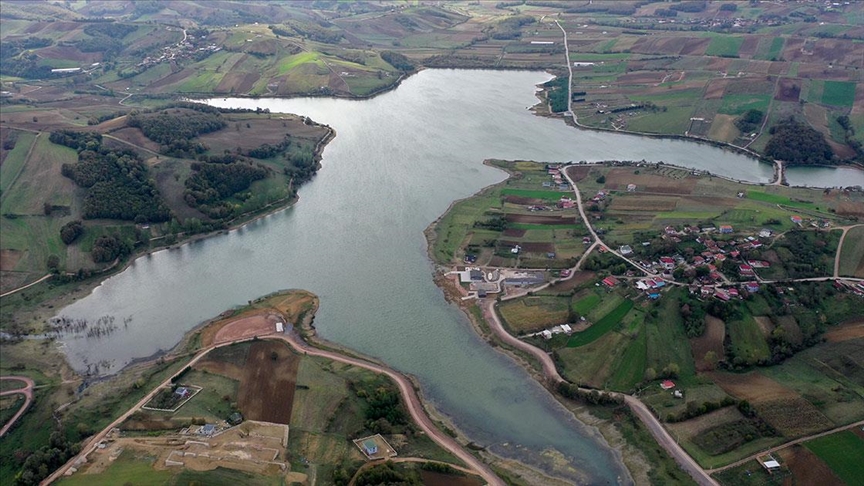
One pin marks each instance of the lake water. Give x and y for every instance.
(356, 239)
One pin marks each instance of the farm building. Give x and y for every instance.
(667, 384)
(280, 327)
(235, 418)
(796, 219)
(182, 392)
(626, 250)
(726, 229)
(610, 281)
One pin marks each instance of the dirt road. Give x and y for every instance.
(412, 403)
(27, 391)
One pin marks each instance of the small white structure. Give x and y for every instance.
(543, 43)
(546, 333)
(66, 70)
(566, 328)
(280, 327)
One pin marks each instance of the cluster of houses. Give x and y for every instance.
(181, 50)
(554, 171)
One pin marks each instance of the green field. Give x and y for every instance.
(665, 331)
(748, 342)
(14, 162)
(769, 48)
(585, 304)
(601, 327)
(630, 368)
(852, 256)
(538, 194)
(725, 46)
(455, 225)
(838, 93)
(778, 199)
(737, 104)
(843, 452)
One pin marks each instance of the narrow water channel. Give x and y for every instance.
(356, 239)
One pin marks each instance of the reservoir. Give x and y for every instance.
(356, 240)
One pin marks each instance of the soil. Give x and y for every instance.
(753, 387)
(259, 324)
(577, 280)
(577, 173)
(9, 259)
(540, 219)
(845, 332)
(788, 90)
(511, 232)
(266, 391)
(806, 467)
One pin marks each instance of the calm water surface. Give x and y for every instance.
(356, 240)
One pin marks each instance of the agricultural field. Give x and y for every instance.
(524, 211)
(852, 254)
(842, 453)
(755, 371)
(296, 408)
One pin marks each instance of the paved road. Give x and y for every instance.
(412, 402)
(27, 391)
(640, 409)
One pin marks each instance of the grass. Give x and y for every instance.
(456, 224)
(725, 46)
(538, 194)
(585, 304)
(737, 104)
(778, 199)
(601, 327)
(532, 313)
(664, 331)
(773, 50)
(129, 468)
(748, 342)
(842, 452)
(852, 253)
(15, 159)
(838, 93)
(631, 366)
(209, 402)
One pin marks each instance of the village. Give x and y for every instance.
(691, 292)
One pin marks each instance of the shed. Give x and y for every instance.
(370, 447)
(667, 384)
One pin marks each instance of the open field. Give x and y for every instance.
(266, 391)
(530, 314)
(842, 453)
(852, 256)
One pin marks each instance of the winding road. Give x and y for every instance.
(412, 403)
(27, 391)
